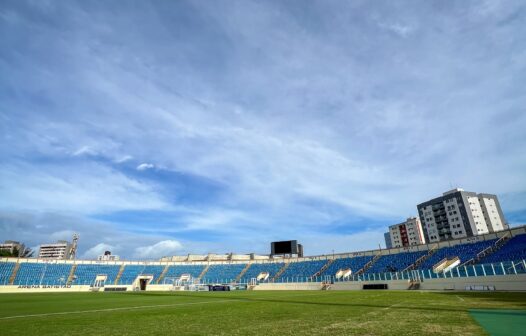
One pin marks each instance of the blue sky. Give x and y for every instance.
(173, 127)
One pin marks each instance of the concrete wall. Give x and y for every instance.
(71, 289)
(43, 289)
(289, 286)
(500, 282)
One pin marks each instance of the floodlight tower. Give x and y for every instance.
(74, 243)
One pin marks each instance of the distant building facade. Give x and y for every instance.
(387, 238)
(458, 214)
(58, 250)
(11, 246)
(406, 234)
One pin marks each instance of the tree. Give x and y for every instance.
(25, 252)
(5, 253)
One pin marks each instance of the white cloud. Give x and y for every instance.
(145, 166)
(85, 150)
(97, 250)
(397, 28)
(160, 249)
(124, 158)
(32, 228)
(341, 243)
(61, 235)
(89, 188)
(321, 119)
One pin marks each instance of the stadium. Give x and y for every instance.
(446, 286)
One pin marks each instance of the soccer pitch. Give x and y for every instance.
(262, 313)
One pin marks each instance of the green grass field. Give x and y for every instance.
(253, 313)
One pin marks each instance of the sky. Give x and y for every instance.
(156, 128)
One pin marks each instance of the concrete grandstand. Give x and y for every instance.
(494, 261)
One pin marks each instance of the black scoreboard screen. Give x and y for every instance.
(284, 247)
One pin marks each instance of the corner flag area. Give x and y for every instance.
(501, 322)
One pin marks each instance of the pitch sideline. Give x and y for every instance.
(241, 299)
(114, 309)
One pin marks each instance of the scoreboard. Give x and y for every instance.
(286, 247)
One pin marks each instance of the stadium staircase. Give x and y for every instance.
(414, 285)
(163, 274)
(369, 264)
(240, 275)
(324, 268)
(446, 264)
(203, 272)
(71, 274)
(325, 286)
(420, 260)
(13, 275)
(489, 250)
(280, 272)
(118, 277)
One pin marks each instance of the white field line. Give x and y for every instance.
(393, 305)
(241, 299)
(116, 309)
(293, 295)
(461, 299)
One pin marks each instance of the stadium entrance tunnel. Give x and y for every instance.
(142, 282)
(375, 286)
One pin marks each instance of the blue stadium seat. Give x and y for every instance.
(513, 250)
(257, 268)
(223, 272)
(6, 269)
(176, 271)
(302, 270)
(42, 274)
(131, 272)
(85, 274)
(395, 262)
(354, 263)
(55, 274)
(465, 252)
(29, 274)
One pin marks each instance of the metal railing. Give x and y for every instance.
(478, 270)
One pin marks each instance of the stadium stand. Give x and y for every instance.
(355, 264)
(131, 272)
(42, 274)
(6, 269)
(223, 272)
(464, 252)
(178, 270)
(395, 262)
(55, 274)
(501, 259)
(303, 269)
(513, 250)
(256, 269)
(86, 274)
(29, 274)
